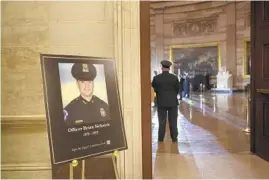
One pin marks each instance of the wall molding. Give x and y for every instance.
(23, 120)
(181, 4)
(25, 166)
(200, 6)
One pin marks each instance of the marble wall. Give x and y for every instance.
(104, 29)
(189, 22)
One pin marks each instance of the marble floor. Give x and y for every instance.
(211, 142)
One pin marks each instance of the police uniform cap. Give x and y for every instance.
(83, 72)
(166, 64)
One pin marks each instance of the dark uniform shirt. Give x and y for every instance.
(79, 111)
(167, 87)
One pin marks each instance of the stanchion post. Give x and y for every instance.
(215, 89)
(247, 130)
(190, 93)
(201, 89)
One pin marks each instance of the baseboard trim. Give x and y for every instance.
(25, 167)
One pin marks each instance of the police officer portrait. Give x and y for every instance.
(84, 93)
(83, 110)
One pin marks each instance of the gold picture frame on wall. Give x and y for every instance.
(204, 57)
(247, 59)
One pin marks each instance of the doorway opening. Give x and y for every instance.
(212, 44)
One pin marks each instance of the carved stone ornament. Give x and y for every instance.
(195, 27)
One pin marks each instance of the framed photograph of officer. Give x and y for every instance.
(84, 93)
(83, 109)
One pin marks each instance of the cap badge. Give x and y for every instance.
(102, 112)
(85, 68)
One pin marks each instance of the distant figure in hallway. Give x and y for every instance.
(167, 87)
(186, 85)
(181, 81)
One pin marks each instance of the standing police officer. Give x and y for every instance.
(166, 87)
(87, 108)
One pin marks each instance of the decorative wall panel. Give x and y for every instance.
(197, 27)
(265, 119)
(265, 62)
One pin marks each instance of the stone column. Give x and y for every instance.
(159, 29)
(231, 40)
(127, 56)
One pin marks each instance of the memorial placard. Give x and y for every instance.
(84, 116)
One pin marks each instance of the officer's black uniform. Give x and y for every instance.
(166, 86)
(155, 98)
(79, 111)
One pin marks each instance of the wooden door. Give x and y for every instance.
(145, 89)
(260, 78)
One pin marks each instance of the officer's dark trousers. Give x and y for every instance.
(172, 118)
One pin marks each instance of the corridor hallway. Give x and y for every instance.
(211, 143)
